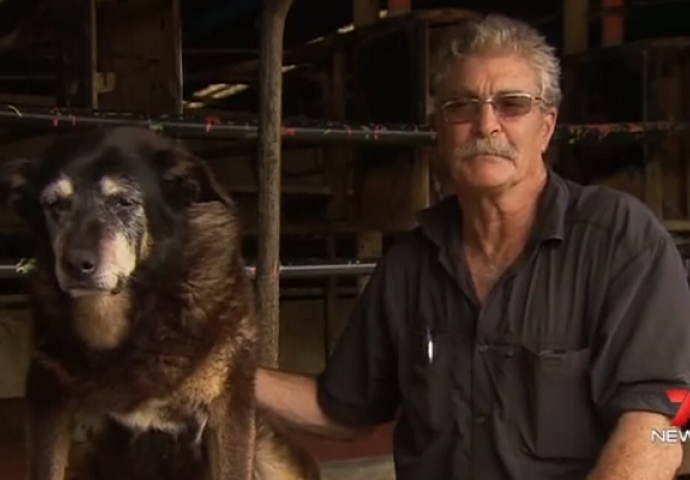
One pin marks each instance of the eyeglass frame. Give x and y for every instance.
(490, 100)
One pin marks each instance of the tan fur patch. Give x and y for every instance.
(146, 245)
(273, 462)
(148, 416)
(59, 189)
(208, 381)
(118, 253)
(58, 248)
(16, 181)
(110, 186)
(102, 320)
(118, 259)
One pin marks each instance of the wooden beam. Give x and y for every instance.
(396, 7)
(575, 25)
(38, 100)
(613, 25)
(575, 40)
(322, 48)
(311, 52)
(140, 56)
(365, 12)
(337, 160)
(76, 47)
(369, 242)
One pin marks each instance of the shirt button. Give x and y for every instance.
(482, 348)
(480, 419)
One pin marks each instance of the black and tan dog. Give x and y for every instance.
(143, 314)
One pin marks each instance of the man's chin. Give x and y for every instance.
(488, 175)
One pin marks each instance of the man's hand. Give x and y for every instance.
(293, 398)
(630, 453)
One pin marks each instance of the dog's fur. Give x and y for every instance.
(142, 313)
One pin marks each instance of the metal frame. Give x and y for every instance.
(224, 127)
(315, 269)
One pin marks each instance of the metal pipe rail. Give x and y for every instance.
(314, 269)
(312, 130)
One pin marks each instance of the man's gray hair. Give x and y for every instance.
(497, 34)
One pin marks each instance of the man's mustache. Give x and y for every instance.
(486, 147)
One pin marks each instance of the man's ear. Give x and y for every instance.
(17, 185)
(187, 179)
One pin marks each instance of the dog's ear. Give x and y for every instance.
(187, 179)
(17, 185)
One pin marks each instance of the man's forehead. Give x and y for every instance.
(489, 75)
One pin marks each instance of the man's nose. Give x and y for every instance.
(486, 121)
(80, 262)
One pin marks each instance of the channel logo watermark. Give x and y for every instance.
(674, 434)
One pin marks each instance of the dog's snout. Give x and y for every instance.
(80, 262)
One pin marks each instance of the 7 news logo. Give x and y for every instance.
(674, 434)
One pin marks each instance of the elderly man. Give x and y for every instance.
(529, 328)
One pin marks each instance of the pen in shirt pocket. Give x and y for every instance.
(430, 344)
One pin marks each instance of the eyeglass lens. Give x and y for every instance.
(505, 105)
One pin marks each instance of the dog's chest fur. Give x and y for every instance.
(162, 375)
(187, 405)
(152, 415)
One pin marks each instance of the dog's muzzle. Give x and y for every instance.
(82, 276)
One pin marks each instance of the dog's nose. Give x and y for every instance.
(80, 263)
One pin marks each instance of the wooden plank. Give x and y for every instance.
(313, 51)
(369, 245)
(140, 44)
(398, 7)
(337, 162)
(575, 25)
(421, 181)
(613, 24)
(368, 468)
(365, 12)
(575, 40)
(14, 353)
(37, 100)
(76, 68)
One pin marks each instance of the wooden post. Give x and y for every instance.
(365, 12)
(76, 55)
(140, 56)
(396, 7)
(575, 40)
(613, 25)
(337, 160)
(575, 26)
(369, 244)
(270, 123)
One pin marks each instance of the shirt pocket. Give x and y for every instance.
(564, 422)
(426, 391)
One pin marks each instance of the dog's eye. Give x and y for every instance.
(124, 202)
(58, 206)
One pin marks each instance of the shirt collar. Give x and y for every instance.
(436, 220)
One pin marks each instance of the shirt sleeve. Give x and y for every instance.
(359, 385)
(643, 343)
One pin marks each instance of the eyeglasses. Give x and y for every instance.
(505, 105)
